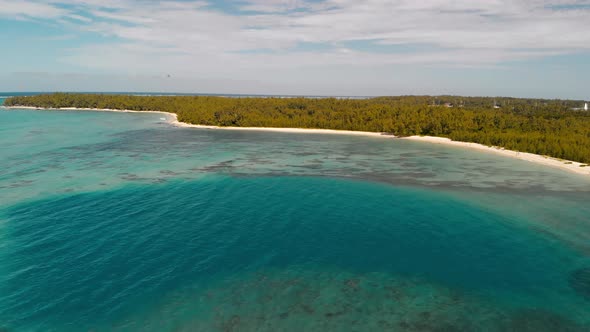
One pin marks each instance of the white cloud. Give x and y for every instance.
(29, 9)
(194, 38)
(506, 30)
(500, 26)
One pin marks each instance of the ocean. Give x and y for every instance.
(122, 222)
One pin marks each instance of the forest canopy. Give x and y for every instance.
(545, 127)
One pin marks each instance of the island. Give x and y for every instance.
(554, 128)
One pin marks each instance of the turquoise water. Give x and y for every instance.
(121, 222)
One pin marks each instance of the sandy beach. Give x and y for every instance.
(570, 166)
(288, 130)
(567, 165)
(172, 118)
(83, 109)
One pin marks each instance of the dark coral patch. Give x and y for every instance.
(535, 320)
(579, 280)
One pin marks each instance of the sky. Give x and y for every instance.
(521, 48)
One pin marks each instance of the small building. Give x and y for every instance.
(585, 108)
(449, 105)
(496, 105)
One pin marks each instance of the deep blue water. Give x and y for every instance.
(122, 222)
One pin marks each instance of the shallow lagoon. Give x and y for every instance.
(114, 221)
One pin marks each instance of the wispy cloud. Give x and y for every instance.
(30, 9)
(501, 27)
(205, 37)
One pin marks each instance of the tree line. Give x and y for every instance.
(546, 127)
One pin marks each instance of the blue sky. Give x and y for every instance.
(531, 48)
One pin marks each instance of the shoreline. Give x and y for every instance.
(80, 109)
(287, 130)
(568, 165)
(172, 118)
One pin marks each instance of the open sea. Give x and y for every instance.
(122, 222)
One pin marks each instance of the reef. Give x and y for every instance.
(579, 280)
(328, 301)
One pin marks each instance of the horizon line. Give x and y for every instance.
(7, 94)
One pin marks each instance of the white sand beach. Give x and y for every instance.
(571, 166)
(83, 109)
(288, 130)
(172, 118)
(567, 165)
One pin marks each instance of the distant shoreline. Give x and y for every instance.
(571, 166)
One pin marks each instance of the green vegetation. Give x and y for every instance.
(545, 127)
